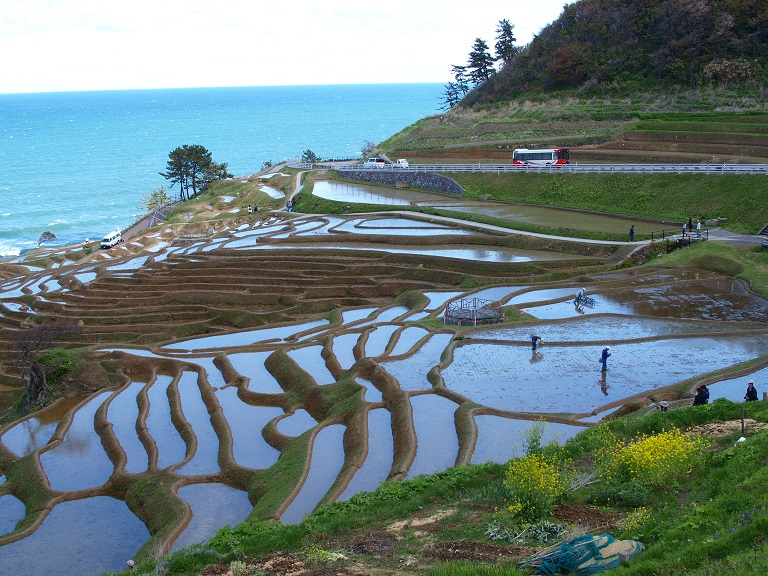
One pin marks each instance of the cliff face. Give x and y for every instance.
(604, 45)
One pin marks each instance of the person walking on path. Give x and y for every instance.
(632, 233)
(751, 394)
(535, 341)
(690, 224)
(604, 357)
(698, 228)
(702, 396)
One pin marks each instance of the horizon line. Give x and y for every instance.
(147, 89)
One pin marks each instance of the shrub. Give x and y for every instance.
(650, 460)
(57, 362)
(535, 483)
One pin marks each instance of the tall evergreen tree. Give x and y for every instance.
(460, 77)
(191, 167)
(505, 42)
(451, 96)
(480, 63)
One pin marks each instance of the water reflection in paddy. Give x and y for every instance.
(720, 299)
(296, 424)
(88, 536)
(501, 439)
(599, 328)
(400, 227)
(244, 338)
(349, 316)
(411, 372)
(381, 452)
(204, 460)
(543, 295)
(343, 349)
(79, 462)
(407, 339)
(438, 299)
(541, 215)
(371, 394)
(12, 511)
(251, 365)
(459, 252)
(311, 361)
(386, 315)
(170, 445)
(568, 378)
(378, 339)
(33, 433)
(327, 460)
(363, 194)
(496, 293)
(246, 423)
(123, 414)
(273, 192)
(438, 444)
(696, 300)
(214, 506)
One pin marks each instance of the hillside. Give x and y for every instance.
(612, 47)
(618, 82)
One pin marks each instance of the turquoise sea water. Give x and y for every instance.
(77, 163)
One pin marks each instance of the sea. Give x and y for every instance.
(77, 164)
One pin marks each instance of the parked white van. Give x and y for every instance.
(111, 239)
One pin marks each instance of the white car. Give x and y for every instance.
(111, 239)
(375, 163)
(402, 163)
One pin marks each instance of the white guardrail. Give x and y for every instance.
(569, 168)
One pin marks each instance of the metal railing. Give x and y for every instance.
(568, 168)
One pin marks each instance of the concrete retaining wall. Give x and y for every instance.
(425, 180)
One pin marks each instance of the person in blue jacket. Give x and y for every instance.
(604, 357)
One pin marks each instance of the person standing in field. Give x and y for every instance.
(604, 357)
(632, 233)
(751, 394)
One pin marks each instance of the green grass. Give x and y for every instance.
(739, 198)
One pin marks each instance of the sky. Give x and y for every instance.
(67, 45)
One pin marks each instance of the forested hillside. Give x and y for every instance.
(618, 47)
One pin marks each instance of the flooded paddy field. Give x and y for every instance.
(219, 363)
(539, 215)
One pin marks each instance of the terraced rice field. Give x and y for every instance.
(258, 372)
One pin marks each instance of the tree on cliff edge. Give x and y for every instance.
(191, 167)
(28, 344)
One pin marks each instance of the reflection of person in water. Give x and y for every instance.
(536, 356)
(603, 384)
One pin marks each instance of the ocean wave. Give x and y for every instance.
(5, 215)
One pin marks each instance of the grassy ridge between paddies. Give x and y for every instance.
(738, 198)
(708, 517)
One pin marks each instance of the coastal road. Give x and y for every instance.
(761, 169)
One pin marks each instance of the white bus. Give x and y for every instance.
(551, 157)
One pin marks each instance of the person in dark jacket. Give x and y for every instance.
(751, 394)
(535, 341)
(604, 357)
(702, 396)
